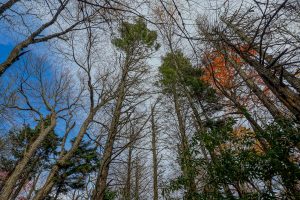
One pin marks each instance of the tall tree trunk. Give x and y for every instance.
(185, 157)
(13, 178)
(154, 154)
(198, 122)
(24, 179)
(291, 79)
(45, 190)
(113, 130)
(127, 189)
(287, 96)
(275, 112)
(137, 179)
(256, 127)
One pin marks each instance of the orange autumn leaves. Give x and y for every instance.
(218, 67)
(218, 71)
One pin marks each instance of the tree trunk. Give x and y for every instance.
(137, 179)
(127, 189)
(45, 190)
(287, 96)
(13, 178)
(258, 92)
(291, 79)
(113, 130)
(185, 157)
(154, 154)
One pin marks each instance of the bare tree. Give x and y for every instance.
(7, 5)
(56, 99)
(97, 94)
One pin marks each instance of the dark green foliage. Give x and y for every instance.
(20, 140)
(235, 166)
(110, 195)
(177, 69)
(73, 174)
(177, 72)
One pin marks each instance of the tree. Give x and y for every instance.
(154, 134)
(273, 68)
(19, 141)
(49, 105)
(90, 86)
(241, 163)
(173, 66)
(137, 42)
(72, 176)
(57, 9)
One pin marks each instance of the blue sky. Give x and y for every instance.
(7, 42)
(4, 51)
(6, 45)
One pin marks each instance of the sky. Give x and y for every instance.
(9, 38)
(4, 51)
(6, 45)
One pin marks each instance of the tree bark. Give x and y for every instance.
(287, 96)
(7, 6)
(294, 81)
(13, 178)
(100, 187)
(45, 190)
(185, 157)
(127, 189)
(137, 179)
(154, 154)
(277, 115)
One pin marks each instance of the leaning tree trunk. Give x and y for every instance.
(290, 78)
(287, 96)
(45, 190)
(274, 111)
(13, 178)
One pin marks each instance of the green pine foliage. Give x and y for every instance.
(134, 36)
(177, 72)
(73, 174)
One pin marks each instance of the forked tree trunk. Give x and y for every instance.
(45, 190)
